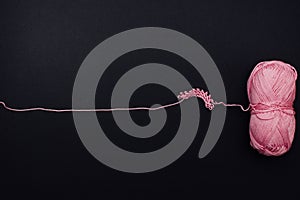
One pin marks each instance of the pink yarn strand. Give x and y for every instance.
(209, 103)
(233, 105)
(88, 110)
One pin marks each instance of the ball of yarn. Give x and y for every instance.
(271, 91)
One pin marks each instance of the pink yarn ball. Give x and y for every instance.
(271, 91)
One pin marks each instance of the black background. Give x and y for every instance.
(42, 45)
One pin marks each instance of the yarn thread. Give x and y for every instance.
(271, 91)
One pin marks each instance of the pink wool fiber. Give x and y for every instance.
(271, 91)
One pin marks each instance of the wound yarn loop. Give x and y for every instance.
(263, 108)
(271, 91)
